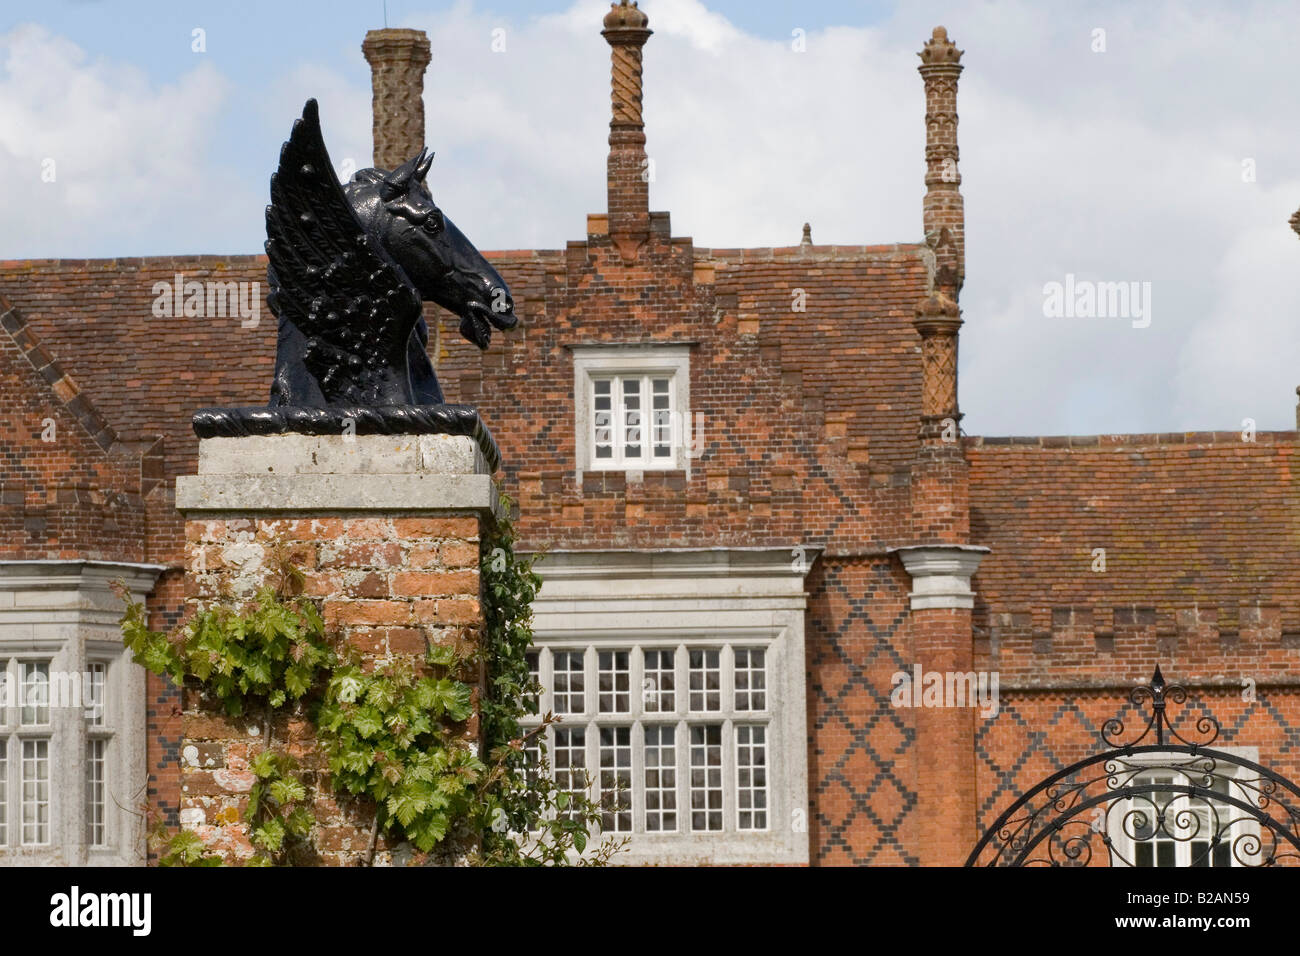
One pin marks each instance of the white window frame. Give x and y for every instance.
(1158, 761)
(65, 612)
(593, 362)
(684, 718)
(682, 600)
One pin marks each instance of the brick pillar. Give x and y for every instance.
(942, 207)
(941, 602)
(626, 30)
(397, 61)
(388, 530)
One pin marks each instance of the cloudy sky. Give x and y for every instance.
(1112, 142)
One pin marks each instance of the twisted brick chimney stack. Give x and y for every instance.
(626, 30)
(937, 321)
(942, 207)
(397, 61)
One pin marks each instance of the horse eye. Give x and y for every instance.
(435, 222)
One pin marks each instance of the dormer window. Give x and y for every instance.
(631, 407)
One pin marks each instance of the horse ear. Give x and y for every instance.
(398, 181)
(422, 167)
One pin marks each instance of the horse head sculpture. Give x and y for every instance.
(349, 267)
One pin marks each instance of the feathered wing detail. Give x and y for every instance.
(338, 286)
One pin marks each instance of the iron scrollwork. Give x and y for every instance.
(1156, 799)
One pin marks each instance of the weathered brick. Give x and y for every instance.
(434, 583)
(449, 527)
(366, 612)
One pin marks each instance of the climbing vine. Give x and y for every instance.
(525, 819)
(387, 733)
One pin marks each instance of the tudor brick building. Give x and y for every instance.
(755, 517)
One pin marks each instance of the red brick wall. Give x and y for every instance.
(862, 783)
(390, 587)
(70, 497)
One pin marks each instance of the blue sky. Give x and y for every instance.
(1125, 164)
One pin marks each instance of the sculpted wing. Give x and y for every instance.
(337, 285)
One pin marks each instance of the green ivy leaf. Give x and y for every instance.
(368, 721)
(264, 765)
(270, 835)
(288, 790)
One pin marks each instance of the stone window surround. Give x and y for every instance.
(64, 610)
(720, 595)
(640, 358)
(1155, 758)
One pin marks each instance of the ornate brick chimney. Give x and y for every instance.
(397, 61)
(626, 30)
(941, 560)
(942, 207)
(937, 320)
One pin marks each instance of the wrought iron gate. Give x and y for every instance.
(1157, 800)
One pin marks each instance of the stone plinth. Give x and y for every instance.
(388, 531)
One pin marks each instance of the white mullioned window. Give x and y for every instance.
(98, 743)
(616, 779)
(662, 763)
(96, 762)
(25, 730)
(751, 679)
(706, 679)
(632, 421)
(570, 682)
(615, 682)
(631, 407)
(658, 686)
(569, 765)
(73, 722)
(751, 776)
(30, 693)
(36, 792)
(660, 758)
(706, 777)
(683, 672)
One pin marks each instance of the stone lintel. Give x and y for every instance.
(941, 574)
(291, 473)
(407, 494)
(336, 455)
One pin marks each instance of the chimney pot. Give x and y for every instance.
(622, 16)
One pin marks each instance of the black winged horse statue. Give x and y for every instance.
(349, 267)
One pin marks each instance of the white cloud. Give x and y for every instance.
(128, 156)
